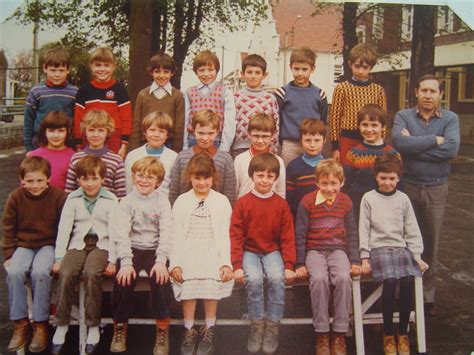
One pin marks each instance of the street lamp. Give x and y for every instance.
(292, 31)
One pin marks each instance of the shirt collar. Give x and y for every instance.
(260, 195)
(320, 198)
(436, 114)
(168, 88)
(210, 86)
(212, 150)
(102, 193)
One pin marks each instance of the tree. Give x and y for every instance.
(22, 72)
(349, 35)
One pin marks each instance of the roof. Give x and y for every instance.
(321, 32)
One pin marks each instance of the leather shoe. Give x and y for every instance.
(56, 348)
(90, 348)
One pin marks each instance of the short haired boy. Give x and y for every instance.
(205, 125)
(28, 248)
(299, 99)
(84, 247)
(157, 127)
(263, 246)
(160, 96)
(55, 94)
(252, 99)
(143, 223)
(349, 97)
(360, 159)
(327, 247)
(300, 171)
(261, 130)
(105, 93)
(213, 95)
(96, 126)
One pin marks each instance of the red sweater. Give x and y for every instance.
(262, 225)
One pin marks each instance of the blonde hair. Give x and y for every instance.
(160, 119)
(98, 119)
(104, 55)
(205, 117)
(262, 122)
(151, 166)
(327, 167)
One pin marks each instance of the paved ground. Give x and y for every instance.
(451, 332)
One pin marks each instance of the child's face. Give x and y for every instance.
(96, 137)
(145, 183)
(301, 73)
(205, 136)
(201, 185)
(312, 143)
(206, 73)
(35, 182)
(91, 184)
(161, 76)
(102, 71)
(263, 181)
(371, 131)
(156, 136)
(253, 76)
(56, 137)
(360, 70)
(329, 185)
(260, 140)
(387, 182)
(56, 75)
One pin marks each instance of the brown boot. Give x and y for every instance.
(389, 347)
(257, 328)
(403, 345)
(270, 336)
(322, 344)
(39, 342)
(21, 335)
(119, 339)
(162, 342)
(338, 344)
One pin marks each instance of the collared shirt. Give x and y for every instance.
(90, 202)
(212, 150)
(161, 91)
(320, 198)
(436, 114)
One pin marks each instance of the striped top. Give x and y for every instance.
(326, 227)
(348, 98)
(115, 178)
(300, 181)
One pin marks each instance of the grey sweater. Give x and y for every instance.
(388, 221)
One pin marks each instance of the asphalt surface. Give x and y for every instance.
(450, 332)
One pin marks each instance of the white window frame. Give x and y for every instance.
(406, 26)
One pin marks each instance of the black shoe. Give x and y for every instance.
(431, 309)
(90, 348)
(56, 348)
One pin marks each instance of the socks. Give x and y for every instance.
(60, 334)
(93, 335)
(188, 323)
(210, 322)
(163, 323)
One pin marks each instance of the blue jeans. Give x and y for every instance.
(256, 267)
(37, 263)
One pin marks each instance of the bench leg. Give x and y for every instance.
(82, 320)
(420, 315)
(358, 325)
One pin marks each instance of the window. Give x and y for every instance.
(407, 23)
(338, 71)
(445, 21)
(377, 25)
(466, 84)
(360, 32)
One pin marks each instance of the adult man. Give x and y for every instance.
(427, 136)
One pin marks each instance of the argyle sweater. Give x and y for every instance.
(359, 171)
(297, 103)
(326, 227)
(348, 98)
(43, 99)
(115, 178)
(109, 96)
(248, 102)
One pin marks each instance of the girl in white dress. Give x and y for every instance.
(200, 259)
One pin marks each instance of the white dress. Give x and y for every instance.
(200, 261)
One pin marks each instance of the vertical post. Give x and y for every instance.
(420, 315)
(222, 64)
(35, 76)
(358, 322)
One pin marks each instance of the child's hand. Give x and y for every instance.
(365, 267)
(336, 155)
(161, 273)
(239, 276)
(7, 263)
(177, 274)
(405, 132)
(290, 275)
(110, 269)
(423, 266)
(122, 151)
(355, 270)
(56, 267)
(302, 272)
(226, 273)
(126, 274)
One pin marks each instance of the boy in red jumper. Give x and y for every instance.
(263, 245)
(105, 93)
(326, 244)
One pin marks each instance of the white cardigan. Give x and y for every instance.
(76, 221)
(220, 209)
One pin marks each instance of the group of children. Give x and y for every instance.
(206, 200)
